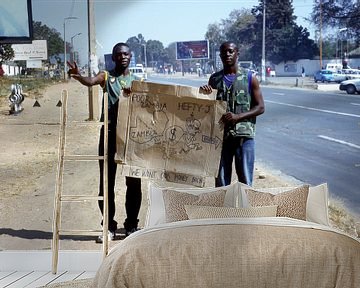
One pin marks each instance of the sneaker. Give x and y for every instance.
(129, 232)
(111, 236)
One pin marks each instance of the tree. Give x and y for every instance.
(285, 40)
(215, 34)
(135, 47)
(238, 27)
(55, 43)
(330, 48)
(334, 13)
(338, 14)
(354, 23)
(154, 51)
(169, 54)
(6, 53)
(241, 31)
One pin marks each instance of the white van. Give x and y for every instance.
(334, 67)
(138, 71)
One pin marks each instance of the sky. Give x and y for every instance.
(164, 20)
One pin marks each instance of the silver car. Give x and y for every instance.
(350, 86)
(340, 76)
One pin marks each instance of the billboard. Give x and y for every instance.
(37, 50)
(192, 50)
(15, 21)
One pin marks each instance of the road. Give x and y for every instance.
(314, 137)
(310, 135)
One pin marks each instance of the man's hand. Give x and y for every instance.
(206, 89)
(229, 118)
(73, 71)
(126, 92)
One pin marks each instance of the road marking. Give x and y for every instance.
(339, 141)
(314, 109)
(356, 104)
(281, 94)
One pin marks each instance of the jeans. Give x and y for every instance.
(243, 150)
(133, 185)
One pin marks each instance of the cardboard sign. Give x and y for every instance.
(170, 133)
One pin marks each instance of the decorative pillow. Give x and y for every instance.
(175, 201)
(317, 210)
(156, 209)
(317, 207)
(200, 212)
(290, 204)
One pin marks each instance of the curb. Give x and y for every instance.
(290, 82)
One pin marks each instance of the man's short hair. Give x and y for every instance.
(119, 45)
(228, 43)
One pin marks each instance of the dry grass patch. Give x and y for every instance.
(343, 219)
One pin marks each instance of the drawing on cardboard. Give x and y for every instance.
(170, 131)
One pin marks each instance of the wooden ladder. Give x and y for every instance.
(59, 198)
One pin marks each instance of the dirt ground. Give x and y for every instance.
(28, 167)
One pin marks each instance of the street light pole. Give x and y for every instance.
(65, 64)
(263, 45)
(145, 54)
(72, 46)
(320, 44)
(341, 43)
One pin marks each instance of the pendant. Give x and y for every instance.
(123, 83)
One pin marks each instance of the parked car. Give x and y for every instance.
(324, 76)
(350, 86)
(352, 73)
(340, 76)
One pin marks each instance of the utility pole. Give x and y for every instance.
(92, 91)
(72, 47)
(145, 59)
(320, 35)
(263, 68)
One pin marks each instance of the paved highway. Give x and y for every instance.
(313, 136)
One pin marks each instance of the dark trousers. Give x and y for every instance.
(133, 185)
